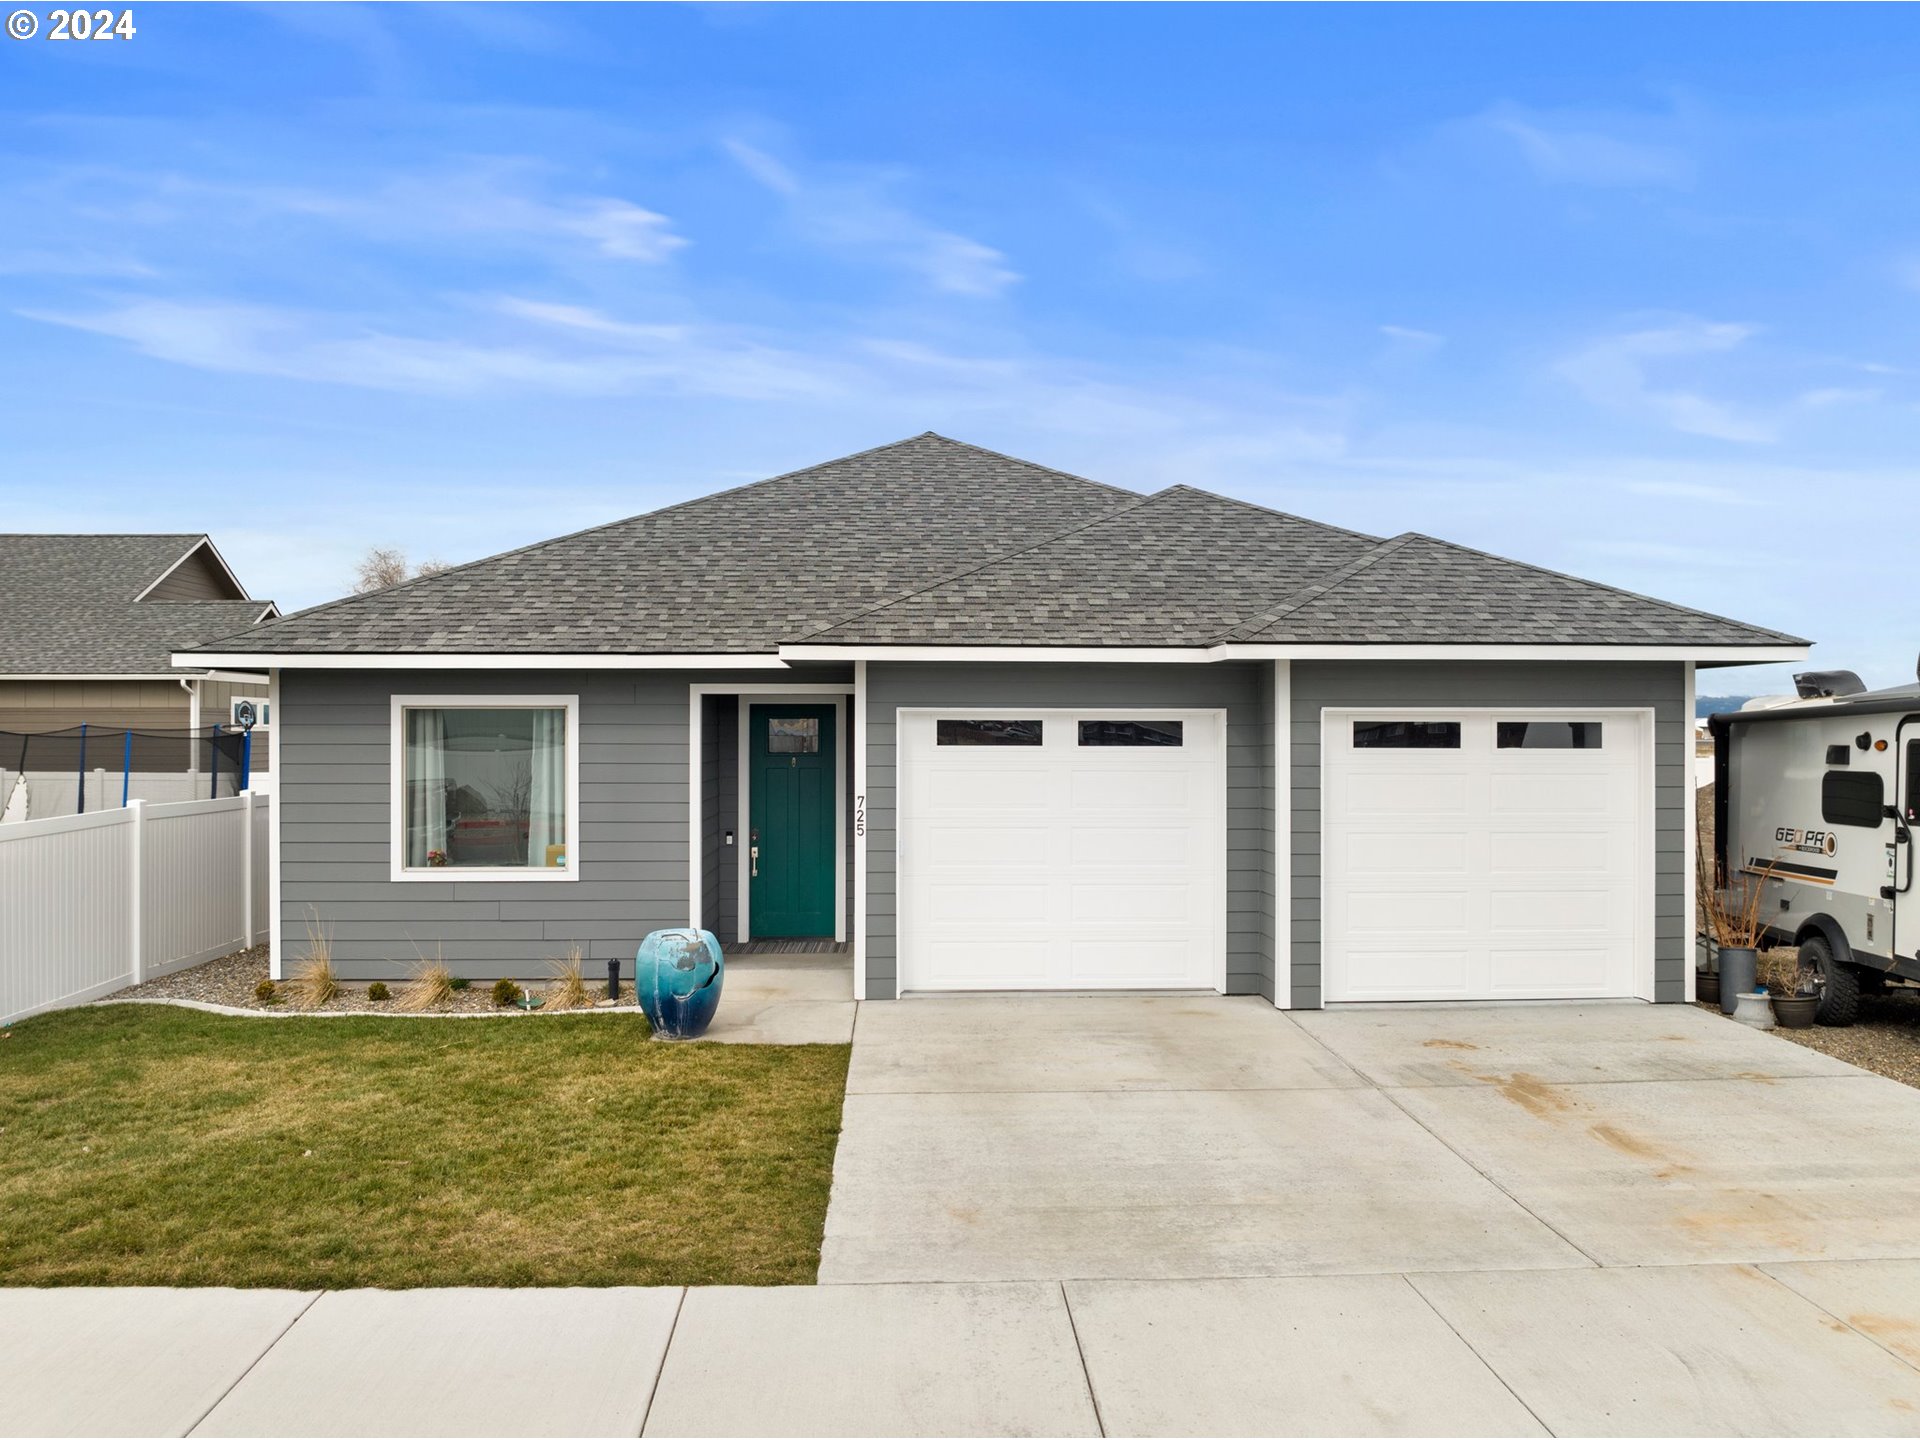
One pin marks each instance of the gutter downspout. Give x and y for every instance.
(191, 684)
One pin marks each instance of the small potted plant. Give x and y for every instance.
(1794, 991)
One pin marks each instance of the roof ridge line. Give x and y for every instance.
(1283, 514)
(1318, 589)
(1602, 585)
(608, 525)
(1017, 460)
(1125, 509)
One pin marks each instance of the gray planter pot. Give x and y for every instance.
(1795, 1012)
(1739, 972)
(1754, 1009)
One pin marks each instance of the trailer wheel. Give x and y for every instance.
(1839, 984)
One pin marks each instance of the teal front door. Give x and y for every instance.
(791, 807)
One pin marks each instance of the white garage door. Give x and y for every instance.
(1062, 849)
(1485, 856)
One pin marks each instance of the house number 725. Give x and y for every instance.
(860, 815)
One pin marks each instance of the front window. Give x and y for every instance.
(485, 788)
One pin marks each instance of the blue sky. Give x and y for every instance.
(1626, 291)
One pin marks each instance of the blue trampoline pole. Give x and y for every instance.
(81, 793)
(126, 769)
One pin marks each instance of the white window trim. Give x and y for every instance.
(1646, 944)
(903, 904)
(1283, 835)
(745, 825)
(397, 817)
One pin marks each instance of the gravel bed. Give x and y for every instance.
(1885, 1039)
(231, 980)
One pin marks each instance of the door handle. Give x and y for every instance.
(754, 853)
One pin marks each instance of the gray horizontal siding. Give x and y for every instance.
(1236, 688)
(334, 799)
(1323, 685)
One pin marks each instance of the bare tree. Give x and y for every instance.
(384, 566)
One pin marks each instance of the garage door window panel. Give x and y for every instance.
(1548, 735)
(1406, 734)
(989, 733)
(1121, 733)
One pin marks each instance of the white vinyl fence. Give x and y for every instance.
(92, 903)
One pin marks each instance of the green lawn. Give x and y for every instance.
(148, 1145)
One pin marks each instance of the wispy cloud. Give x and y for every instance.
(1694, 491)
(480, 203)
(1578, 150)
(1615, 372)
(1406, 346)
(561, 349)
(856, 217)
(1832, 395)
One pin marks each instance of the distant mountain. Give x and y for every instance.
(1705, 705)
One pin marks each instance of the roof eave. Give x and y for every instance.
(1705, 654)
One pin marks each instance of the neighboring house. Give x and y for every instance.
(88, 624)
(1001, 728)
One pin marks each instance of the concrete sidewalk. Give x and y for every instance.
(1798, 1349)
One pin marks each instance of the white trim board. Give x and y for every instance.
(813, 690)
(1212, 654)
(276, 951)
(398, 870)
(744, 824)
(963, 654)
(478, 660)
(859, 819)
(1693, 840)
(1283, 835)
(245, 677)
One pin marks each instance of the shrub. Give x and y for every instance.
(378, 990)
(431, 984)
(568, 990)
(458, 982)
(266, 992)
(505, 992)
(314, 982)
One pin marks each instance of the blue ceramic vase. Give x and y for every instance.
(677, 977)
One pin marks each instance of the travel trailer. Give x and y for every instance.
(1816, 797)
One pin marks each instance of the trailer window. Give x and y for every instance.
(1853, 797)
(1913, 782)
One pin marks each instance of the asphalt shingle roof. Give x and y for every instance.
(1414, 589)
(67, 606)
(931, 542)
(1174, 568)
(737, 572)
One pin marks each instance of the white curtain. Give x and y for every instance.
(426, 780)
(547, 797)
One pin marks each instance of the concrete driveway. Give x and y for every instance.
(1140, 1138)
